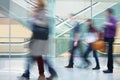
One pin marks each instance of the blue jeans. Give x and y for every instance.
(89, 49)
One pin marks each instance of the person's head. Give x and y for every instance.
(109, 12)
(41, 4)
(89, 22)
(71, 15)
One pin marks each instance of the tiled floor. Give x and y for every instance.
(11, 70)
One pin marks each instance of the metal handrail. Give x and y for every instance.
(29, 2)
(66, 20)
(16, 43)
(72, 27)
(61, 20)
(27, 39)
(3, 17)
(14, 37)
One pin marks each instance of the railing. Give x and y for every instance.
(31, 3)
(63, 45)
(61, 20)
(26, 40)
(67, 20)
(107, 6)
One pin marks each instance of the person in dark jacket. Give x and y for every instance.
(109, 34)
(75, 43)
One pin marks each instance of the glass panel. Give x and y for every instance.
(14, 39)
(80, 13)
(4, 48)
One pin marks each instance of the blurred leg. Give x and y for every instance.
(71, 57)
(50, 69)
(30, 60)
(88, 50)
(80, 47)
(96, 60)
(110, 56)
(40, 65)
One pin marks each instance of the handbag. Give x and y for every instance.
(99, 45)
(40, 33)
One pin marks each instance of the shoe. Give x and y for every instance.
(96, 68)
(24, 77)
(108, 71)
(87, 65)
(52, 77)
(68, 66)
(41, 78)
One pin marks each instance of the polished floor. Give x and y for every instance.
(11, 69)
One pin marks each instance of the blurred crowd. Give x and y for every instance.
(95, 40)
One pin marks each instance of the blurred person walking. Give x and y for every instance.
(109, 34)
(39, 45)
(76, 43)
(92, 37)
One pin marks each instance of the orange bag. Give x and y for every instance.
(99, 45)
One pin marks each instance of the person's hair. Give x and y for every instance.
(89, 20)
(41, 3)
(110, 10)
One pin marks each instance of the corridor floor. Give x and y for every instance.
(13, 68)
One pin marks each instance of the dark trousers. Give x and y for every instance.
(30, 62)
(110, 52)
(89, 49)
(72, 51)
(71, 60)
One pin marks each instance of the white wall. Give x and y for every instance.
(65, 7)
